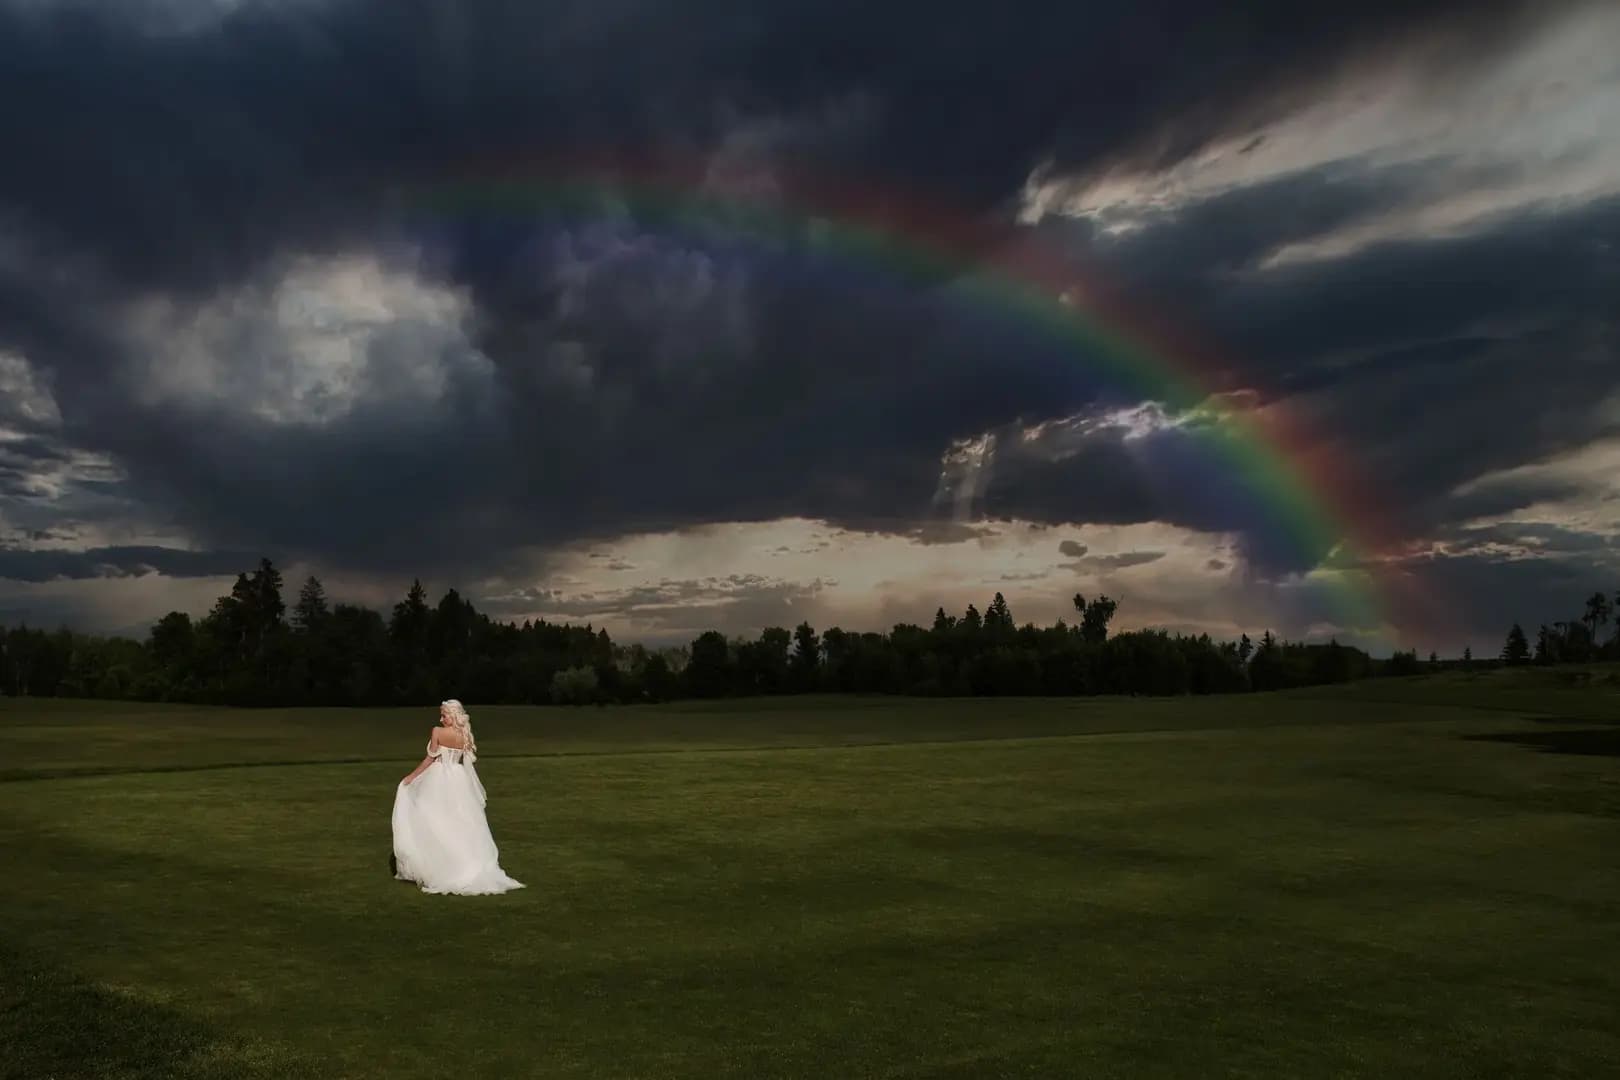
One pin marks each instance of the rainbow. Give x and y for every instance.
(1306, 486)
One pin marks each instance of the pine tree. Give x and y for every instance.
(1597, 613)
(1516, 650)
(231, 620)
(268, 608)
(409, 629)
(806, 654)
(411, 614)
(311, 609)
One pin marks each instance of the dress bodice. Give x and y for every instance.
(450, 755)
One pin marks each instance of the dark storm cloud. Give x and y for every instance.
(24, 460)
(1505, 495)
(1535, 539)
(1429, 390)
(1033, 575)
(1122, 561)
(278, 125)
(639, 378)
(1423, 362)
(1492, 592)
(50, 564)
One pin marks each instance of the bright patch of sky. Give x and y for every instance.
(310, 345)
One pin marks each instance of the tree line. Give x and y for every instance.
(1571, 641)
(250, 649)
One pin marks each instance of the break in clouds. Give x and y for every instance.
(234, 321)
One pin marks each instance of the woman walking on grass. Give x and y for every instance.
(441, 837)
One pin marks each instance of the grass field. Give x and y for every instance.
(1403, 878)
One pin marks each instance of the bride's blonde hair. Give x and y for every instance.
(461, 722)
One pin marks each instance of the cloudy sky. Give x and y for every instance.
(259, 294)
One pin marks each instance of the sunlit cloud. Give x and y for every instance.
(1461, 148)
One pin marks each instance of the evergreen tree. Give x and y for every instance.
(267, 606)
(998, 616)
(410, 620)
(234, 617)
(412, 677)
(806, 662)
(311, 610)
(1516, 650)
(765, 662)
(708, 673)
(1597, 613)
(1402, 663)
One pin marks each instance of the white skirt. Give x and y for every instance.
(441, 837)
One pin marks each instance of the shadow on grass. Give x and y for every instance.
(1603, 742)
(55, 1024)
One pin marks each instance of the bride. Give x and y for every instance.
(441, 839)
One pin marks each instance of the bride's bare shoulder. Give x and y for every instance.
(446, 737)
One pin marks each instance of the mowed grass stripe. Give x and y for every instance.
(19, 775)
(117, 738)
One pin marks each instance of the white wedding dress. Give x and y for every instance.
(441, 838)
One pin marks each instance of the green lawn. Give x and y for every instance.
(1330, 883)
